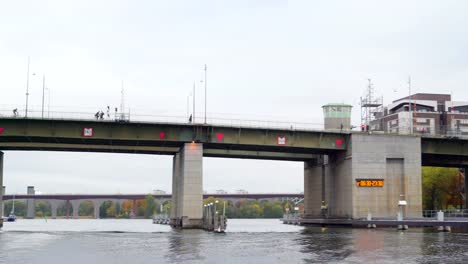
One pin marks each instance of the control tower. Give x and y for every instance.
(337, 116)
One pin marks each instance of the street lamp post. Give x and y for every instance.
(193, 117)
(48, 103)
(205, 92)
(27, 91)
(43, 93)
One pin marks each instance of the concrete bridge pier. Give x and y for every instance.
(315, 182)
(76, 208)
(31, 204)
(54, 204)
(97, 208)
(2, 210)
(3, 189)
(187, 187)
(393, 159)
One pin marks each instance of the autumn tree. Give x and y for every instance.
(440, 187)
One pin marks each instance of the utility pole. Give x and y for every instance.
(188, 106)
(205, 92)
(48, 103)
(27, 91)
(193, 103)
(43, 92)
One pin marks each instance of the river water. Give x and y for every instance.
(246, 241)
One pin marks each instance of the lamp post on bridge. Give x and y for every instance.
(27, 90)
(205, 69)
(43, 93)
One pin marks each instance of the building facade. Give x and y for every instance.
(423, 113)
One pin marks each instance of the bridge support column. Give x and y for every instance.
(466, 187)
(393, 159)
(3, 190)
(97, 208)
(187, 197)
(54, 204)
(76, 208)
(30, 204)
(317, 187)
(2, 210)
(175, 213)
(67, 209)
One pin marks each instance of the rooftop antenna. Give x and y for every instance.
(410, 105)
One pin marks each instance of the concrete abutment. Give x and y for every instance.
(395, 160)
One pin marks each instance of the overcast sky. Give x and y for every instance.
(267, 60)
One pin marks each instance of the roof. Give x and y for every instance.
(427, 97)
(333, 104)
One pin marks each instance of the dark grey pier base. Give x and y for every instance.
(381, 223)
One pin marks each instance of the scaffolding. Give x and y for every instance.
(371, 109)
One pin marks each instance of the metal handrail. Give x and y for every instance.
(451, 213)
(136, 117)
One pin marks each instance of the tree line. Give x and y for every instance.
(149, 207)
(441, 188)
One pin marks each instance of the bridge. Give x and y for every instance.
(55, 200)
(353, 172)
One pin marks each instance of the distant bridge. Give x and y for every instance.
(75, 200)
(70, 197)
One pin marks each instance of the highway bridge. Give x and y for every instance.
(354, 172)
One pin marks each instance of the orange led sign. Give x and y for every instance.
(369, 182)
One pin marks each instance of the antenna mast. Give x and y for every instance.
(370, 107)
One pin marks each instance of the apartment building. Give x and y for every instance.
(429, 114)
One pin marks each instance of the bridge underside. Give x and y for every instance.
(452, 161)
(226, 152)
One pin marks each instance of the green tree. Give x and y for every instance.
(166, 208)
(150, 206)
(86, 208)
(251, 210)
(20, 208)
(103, 210)
(62, 209)
(438, 185)
(42, 209)
(111, 212)
(272, 210)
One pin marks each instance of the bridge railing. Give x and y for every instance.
(452, 213)
(401, 128)
(113, 116)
